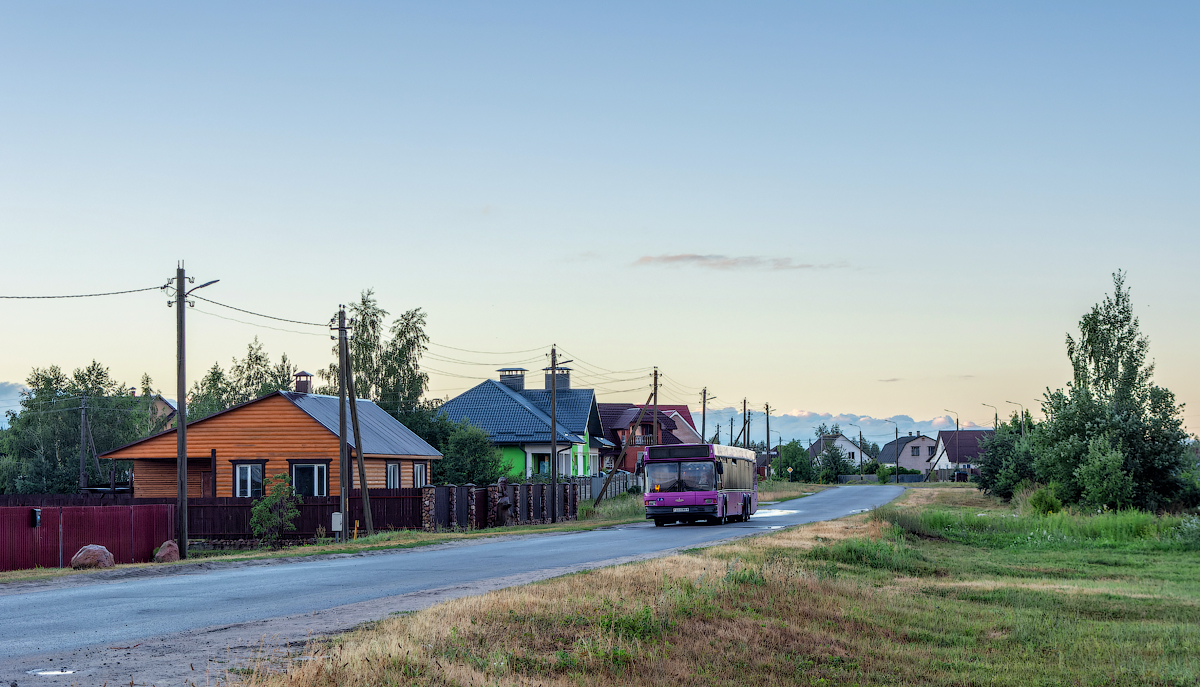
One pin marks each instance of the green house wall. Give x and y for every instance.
(513, 460)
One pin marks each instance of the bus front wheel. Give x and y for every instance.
(659, 522)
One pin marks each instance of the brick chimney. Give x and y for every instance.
(563, 376)
(513, 377)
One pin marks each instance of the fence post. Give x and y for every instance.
(470, 524)
(453, 498)
(493, 497)
(575, 500)
(428, 516)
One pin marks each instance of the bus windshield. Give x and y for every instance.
(683, 476)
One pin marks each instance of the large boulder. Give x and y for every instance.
(92, 556)
(167, 553)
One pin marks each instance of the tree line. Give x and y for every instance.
(1112, 438)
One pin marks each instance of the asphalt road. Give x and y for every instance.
(65, 619)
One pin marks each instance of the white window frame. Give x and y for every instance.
(916, 452)
(394, 475)
(320, 477)
(420, 478)
(248, 469)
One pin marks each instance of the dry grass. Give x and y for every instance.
(804, 605)
(683, 620)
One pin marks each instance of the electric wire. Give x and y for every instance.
(85, 295)
(252, 324)
(257, 314)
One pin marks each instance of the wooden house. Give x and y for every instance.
(232, 452)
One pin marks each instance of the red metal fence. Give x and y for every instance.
(130, 533)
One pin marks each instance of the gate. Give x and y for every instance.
(441, 506)
(462, 505)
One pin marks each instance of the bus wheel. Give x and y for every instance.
(659, 522)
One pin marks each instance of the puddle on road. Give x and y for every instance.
(772, 513)
(64, 671)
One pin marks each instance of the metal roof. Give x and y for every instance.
(516, 417)
(382, 434)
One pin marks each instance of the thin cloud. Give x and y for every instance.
(893, 379)
(726, 262)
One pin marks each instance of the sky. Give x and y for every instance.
(842, 209)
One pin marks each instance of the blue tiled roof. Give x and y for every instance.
(512, 417)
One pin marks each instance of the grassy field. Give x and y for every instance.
(948, 587)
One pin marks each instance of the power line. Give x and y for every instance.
(467, 350)
(88, 295)
(251, 324)
(256, 314)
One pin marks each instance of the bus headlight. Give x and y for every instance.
(710, 500)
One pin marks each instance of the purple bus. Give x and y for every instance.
(693, 482)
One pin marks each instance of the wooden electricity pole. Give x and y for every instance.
(624, 448)
(343, 449)
(181, 513)
(554, 434)
(359, 449)
(768, 407)
(703, 413)
(83, 480)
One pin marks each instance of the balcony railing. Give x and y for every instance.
(641, 440)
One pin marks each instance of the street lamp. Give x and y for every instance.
(860, 451)
(896, 450)
(996, 417)
(1022, 416)
(957, 431)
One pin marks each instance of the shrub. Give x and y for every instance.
(1044, 501)
(1103, 478)
(275, 513)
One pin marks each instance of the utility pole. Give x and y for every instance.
(83, 480)
(768, 409)
(731, 439)
(181, 294)
(957, 454)
(703, 413)
(343, 449)
(1022, 416)
(656, 439)
(745, 420)
(359, 449)
(554, 434)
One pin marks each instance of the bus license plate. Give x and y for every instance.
(680, 510)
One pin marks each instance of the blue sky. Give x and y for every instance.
(871, 209)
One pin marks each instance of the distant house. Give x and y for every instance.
(630, 436)
(685, 427)
(232, 452)
(517, 420)
(852, 450)
(915, 452)
(957, 453)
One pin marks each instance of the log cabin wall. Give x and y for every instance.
(272, 430)
(156, 478)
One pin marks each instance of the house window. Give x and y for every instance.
(393, 476)
(916, 451)
(419, 477)
(931, 451)
(309, 479)
(851, 455)
(248, 480)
